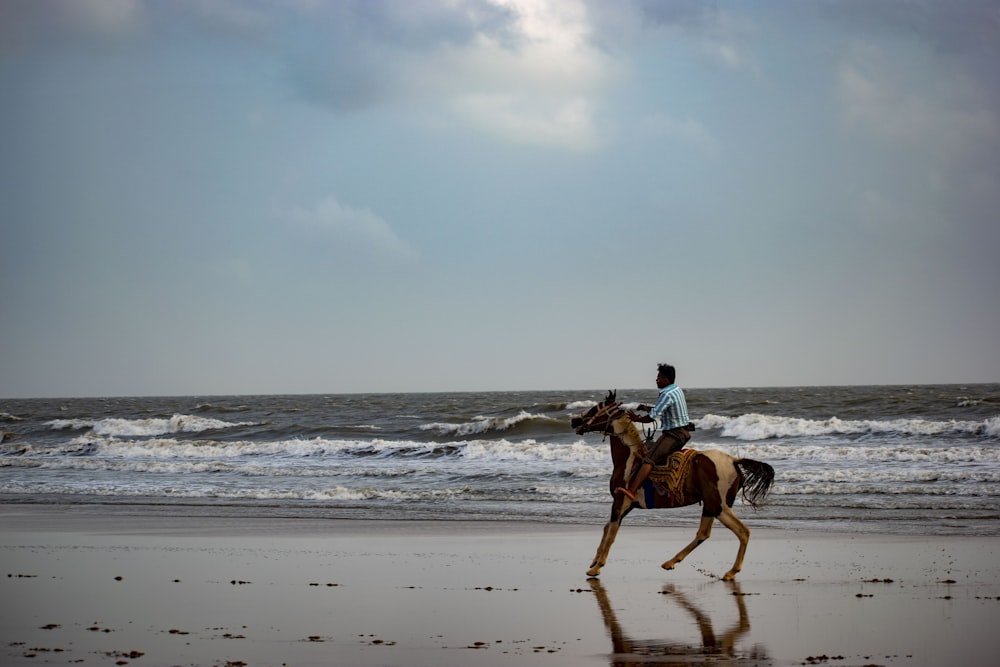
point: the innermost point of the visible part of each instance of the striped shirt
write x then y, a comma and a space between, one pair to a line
671, 408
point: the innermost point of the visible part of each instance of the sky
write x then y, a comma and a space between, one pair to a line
243, 197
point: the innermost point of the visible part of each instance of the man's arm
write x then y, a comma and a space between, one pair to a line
644, 419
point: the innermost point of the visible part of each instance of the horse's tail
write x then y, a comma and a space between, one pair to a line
758, 478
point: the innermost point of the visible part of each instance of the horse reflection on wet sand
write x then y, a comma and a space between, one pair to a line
715, 649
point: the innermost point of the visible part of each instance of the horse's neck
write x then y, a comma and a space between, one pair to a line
627, 433
620, 452
625, 442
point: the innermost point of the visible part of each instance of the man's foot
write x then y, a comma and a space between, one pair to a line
628, 494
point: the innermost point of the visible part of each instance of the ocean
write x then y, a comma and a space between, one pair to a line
909, 460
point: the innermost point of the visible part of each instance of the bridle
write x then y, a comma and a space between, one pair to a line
610, 411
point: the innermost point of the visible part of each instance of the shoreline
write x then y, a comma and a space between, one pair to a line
102, 584
911, 524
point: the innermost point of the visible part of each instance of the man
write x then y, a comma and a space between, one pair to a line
671, 409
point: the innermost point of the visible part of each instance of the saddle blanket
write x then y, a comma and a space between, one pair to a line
668, 480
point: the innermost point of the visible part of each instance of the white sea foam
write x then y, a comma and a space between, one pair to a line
580, 406
274, 468
145, 427
966, 402
890, 476
580, 452
328, 494
483, 424
308, 493
593, 493
858, 453
530, 450
877, 489
171, 448
763, 427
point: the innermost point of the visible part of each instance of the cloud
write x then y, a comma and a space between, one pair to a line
233, 269
949, 103
952, 121
688, 131
522, 70
957, 27
558, 123
95, 24
236, 15
688, 14
937, 117
717, 35
875, 98
354, 229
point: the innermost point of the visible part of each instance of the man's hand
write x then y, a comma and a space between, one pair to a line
644, 408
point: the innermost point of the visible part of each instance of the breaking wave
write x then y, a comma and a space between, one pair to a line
145, 427
764, 427
482, 425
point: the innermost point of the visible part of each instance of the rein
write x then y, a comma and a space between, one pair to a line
611, 413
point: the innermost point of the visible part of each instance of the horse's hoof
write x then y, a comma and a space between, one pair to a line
669, 565
729, 576
593, 572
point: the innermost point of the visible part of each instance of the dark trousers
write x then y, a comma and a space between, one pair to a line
669, 442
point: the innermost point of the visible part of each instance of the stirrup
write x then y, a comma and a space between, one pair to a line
628, 494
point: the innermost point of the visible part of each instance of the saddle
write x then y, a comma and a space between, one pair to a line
670, 478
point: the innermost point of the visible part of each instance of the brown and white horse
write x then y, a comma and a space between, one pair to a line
711, 477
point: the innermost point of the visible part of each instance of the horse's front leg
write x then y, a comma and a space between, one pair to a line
601, 557
618, 512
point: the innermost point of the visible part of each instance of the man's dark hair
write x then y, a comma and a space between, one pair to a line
668, 372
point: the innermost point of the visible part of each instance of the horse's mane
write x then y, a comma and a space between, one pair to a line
630, 431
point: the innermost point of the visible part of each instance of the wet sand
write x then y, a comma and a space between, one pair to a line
116, 586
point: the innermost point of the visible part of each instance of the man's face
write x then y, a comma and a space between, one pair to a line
662, 381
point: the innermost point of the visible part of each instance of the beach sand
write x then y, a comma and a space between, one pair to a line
115, 585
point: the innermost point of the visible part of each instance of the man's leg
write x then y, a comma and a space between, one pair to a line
640, 476
654, 454
678, 439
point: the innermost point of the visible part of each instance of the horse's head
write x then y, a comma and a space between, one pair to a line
599, 417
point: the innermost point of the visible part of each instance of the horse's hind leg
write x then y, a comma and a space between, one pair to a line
742, 533
704, 532
707, 478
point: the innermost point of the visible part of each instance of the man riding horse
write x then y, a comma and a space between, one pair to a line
671, 409
711, 478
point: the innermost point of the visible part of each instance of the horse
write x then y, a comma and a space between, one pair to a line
711, 477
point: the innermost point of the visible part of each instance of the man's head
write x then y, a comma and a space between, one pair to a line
666, 374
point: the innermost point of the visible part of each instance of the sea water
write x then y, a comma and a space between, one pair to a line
896, 459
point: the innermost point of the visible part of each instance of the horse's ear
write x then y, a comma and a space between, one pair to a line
612, 393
